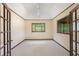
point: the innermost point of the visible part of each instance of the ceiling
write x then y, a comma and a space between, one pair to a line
38, 10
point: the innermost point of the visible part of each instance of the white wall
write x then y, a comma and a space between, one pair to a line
63, 39
38, 35
17, 29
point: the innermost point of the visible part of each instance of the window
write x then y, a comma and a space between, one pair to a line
63, 25
38, 27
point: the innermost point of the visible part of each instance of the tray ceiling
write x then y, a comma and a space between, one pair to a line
38, 10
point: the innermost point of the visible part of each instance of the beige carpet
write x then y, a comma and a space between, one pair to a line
39, 48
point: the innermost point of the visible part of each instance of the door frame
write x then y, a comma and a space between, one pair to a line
71, 31
6, 20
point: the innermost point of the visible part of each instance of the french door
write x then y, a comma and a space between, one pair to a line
5, 31
74, 32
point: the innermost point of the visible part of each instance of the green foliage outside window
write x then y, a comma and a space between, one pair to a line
38, 27
63, 28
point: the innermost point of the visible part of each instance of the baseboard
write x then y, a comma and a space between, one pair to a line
54, 41
17, 44
61, 45
27, 39
38, 39
41, 39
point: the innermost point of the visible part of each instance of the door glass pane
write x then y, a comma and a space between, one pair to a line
0, 9
1, 6
77, 13
5, 26
78, 36
74, 37
1, 38
5, 13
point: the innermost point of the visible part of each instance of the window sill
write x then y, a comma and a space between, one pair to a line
63, 33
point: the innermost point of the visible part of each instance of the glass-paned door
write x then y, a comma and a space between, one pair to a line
75, 32
5, 31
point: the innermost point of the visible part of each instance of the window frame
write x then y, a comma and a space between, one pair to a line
67, 22
35, 26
